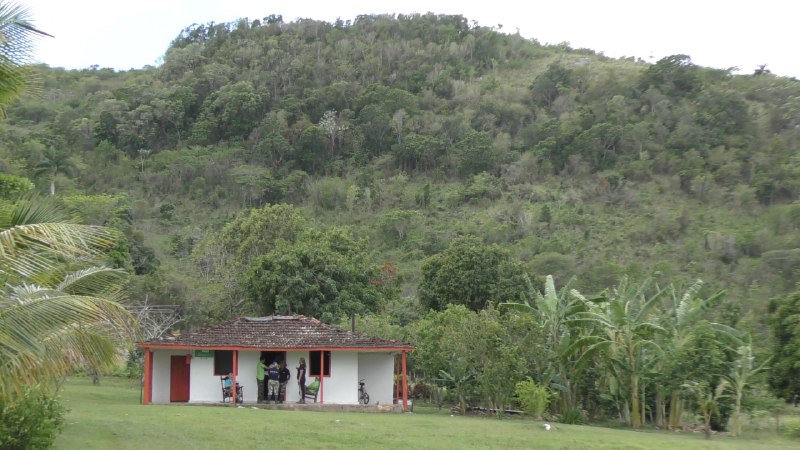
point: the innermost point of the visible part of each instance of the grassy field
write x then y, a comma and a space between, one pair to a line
109, 417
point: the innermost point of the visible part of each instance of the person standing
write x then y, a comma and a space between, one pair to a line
301, 379
260, 369
272, 385
283, 378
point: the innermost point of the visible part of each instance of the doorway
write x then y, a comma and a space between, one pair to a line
179, 378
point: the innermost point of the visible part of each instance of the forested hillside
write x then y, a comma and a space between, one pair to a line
391, 165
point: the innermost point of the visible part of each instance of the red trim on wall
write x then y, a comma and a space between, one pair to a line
322, 378
405, 384
235, 371
148, 377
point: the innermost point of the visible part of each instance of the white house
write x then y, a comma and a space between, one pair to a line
189, 367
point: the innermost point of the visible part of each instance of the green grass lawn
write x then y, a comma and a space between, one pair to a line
109, 417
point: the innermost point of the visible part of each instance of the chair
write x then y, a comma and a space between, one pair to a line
311, 392
226, 390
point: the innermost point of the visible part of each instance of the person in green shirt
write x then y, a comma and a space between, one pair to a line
260, 368
312, 388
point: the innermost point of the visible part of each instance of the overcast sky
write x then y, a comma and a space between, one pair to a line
131, 34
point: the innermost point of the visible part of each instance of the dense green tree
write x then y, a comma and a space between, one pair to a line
675, 76
785, 321
322, 274
476, 154
547, 86
11, 185
470, 273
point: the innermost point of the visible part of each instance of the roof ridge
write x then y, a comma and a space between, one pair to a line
281, 332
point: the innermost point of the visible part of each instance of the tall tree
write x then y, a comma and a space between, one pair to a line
623, 332
740, 377
553, 311
785, 318
471, 273
55, 162
322, 274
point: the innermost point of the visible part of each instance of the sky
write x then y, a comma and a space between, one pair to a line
723, 34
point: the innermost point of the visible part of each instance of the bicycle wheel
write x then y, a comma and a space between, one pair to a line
365, 399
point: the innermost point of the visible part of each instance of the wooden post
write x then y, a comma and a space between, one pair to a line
321, 376
395, 384
405, 383
148, 376
235, 371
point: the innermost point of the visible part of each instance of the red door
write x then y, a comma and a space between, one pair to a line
179, 379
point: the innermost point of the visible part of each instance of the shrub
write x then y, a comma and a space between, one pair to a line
533, 397
573, 417
31, 420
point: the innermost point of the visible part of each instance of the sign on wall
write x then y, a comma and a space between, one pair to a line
204, 353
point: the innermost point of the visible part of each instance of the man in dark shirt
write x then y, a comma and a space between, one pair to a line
283, 378
301, 379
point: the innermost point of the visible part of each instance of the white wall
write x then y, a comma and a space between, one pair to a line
339, 388
161, 370
377, 370
204, 386
342, 385
247, 375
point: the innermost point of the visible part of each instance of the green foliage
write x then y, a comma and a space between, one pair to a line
476, 154
533, 397
674, 75
414, 131
11, 185
32, 420
322, 274
573, 416
470, 273
785, 317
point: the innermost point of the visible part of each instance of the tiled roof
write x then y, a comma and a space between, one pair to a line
276, 332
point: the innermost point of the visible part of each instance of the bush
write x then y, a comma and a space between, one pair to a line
573, 417
533, 397
31, 420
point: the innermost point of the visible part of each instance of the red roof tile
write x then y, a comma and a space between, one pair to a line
276, 332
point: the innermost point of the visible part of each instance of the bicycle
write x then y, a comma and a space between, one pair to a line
363, 397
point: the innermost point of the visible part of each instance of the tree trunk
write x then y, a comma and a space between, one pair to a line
626, 413
643, 402
636, 418
675, 410
660, 406
737, 410
53, 187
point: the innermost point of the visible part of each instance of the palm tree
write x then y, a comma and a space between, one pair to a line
553, 310
54, 318
622, 332
54, 162
682, 314
17, 36
740, 377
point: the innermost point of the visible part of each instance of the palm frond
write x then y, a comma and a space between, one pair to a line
36, 331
